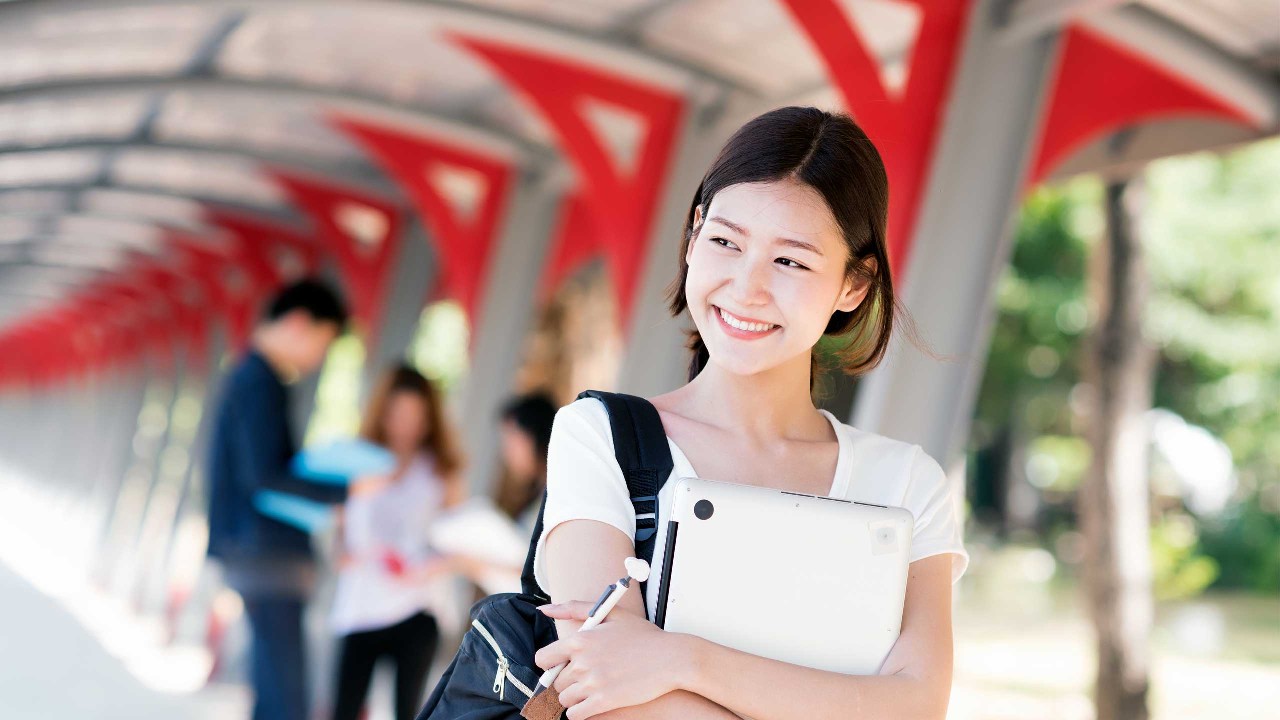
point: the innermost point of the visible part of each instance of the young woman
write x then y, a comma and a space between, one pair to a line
784, 243
383, 603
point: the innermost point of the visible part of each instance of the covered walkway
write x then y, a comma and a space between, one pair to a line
164, 165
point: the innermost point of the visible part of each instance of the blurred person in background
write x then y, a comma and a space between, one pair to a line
525, 432
270, 563
385, 604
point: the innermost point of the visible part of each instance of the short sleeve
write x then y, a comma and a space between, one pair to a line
939, 527
584, 481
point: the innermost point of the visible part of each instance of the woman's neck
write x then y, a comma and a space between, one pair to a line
763, 406
404, 458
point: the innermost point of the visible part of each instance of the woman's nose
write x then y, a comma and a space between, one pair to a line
751, 282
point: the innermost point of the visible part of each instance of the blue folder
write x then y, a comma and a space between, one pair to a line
303, 513
337, 463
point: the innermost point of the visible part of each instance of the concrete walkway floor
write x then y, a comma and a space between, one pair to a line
52, 668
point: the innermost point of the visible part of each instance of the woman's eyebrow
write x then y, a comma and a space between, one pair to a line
731, 225
802, 244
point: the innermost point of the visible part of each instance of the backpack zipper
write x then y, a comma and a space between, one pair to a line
504, 666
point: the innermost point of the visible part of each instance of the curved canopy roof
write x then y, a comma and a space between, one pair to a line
127, 123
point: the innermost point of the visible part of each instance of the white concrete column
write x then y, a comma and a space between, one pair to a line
963, 240
504, 318
655, 360
414, 267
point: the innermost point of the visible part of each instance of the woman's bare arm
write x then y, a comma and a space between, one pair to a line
455, 491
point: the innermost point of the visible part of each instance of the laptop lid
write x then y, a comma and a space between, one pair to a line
812, 581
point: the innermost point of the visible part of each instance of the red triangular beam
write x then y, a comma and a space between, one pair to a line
622, 204
904, 130
364, 266
465, 245
1101, 86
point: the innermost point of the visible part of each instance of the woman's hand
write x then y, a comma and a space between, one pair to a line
624, 661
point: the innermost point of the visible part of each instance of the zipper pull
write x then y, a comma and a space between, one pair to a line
499, 681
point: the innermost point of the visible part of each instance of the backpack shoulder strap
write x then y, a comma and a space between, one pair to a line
640, 446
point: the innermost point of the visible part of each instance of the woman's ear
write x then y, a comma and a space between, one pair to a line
856, 287
693, 232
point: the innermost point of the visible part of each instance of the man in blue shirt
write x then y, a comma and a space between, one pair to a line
268, 562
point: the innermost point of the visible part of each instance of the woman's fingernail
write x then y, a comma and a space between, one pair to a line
544, 608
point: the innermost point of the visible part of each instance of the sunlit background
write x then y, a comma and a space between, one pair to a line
499, 186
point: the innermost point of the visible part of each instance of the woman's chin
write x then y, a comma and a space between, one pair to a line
737, 364
737, 361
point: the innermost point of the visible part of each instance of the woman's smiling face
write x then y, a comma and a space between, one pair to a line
767, 268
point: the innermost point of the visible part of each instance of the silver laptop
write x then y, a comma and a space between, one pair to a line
811, 581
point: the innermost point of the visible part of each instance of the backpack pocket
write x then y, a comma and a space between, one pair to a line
510, 679
493, 674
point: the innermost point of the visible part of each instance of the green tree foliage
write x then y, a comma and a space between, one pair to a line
1211, 232
1213, 238
1033, 363
1024, 408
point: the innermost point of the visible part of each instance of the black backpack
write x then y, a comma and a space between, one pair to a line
493, 674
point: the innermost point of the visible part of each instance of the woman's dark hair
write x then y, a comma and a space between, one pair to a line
440, 440
533, 414
831, 154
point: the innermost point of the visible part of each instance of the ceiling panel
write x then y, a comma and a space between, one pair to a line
251, 119
49, 167
201, 174
107, 231
1245, 28
149, 41
757, 44
16, 228
597, 15
71, 118
396, 54
174, 211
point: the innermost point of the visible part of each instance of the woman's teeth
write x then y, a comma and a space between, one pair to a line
734, 322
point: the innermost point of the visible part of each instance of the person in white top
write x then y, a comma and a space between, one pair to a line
784, 245
383, 603
524, 432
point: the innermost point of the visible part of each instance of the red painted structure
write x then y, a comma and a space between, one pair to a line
363, 261
903, 128
1137, 88
463, 237
609, 211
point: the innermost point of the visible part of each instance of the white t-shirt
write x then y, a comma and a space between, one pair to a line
584, 482
368, 596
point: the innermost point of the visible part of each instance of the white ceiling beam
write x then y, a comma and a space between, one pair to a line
1027, 19
467, 129
598, 50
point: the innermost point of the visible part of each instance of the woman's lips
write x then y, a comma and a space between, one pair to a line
738, 333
